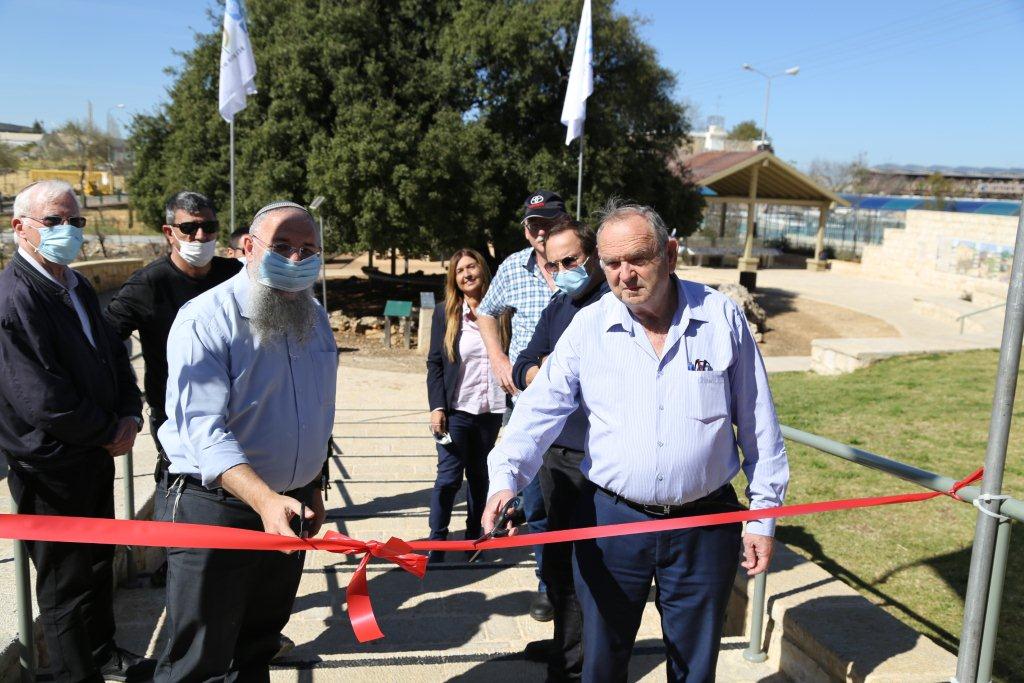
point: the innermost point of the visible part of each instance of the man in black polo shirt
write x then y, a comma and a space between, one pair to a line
150, 299
571, 259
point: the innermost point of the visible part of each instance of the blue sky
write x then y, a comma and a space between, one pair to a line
904, 81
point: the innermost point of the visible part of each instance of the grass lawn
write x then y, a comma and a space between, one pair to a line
930, 411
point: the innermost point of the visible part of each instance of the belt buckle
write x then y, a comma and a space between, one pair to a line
666, 510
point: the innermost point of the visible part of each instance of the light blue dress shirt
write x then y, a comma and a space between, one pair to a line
518, 286
232, 399
660, 433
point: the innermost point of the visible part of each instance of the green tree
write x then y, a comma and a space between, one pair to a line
8, 159
746, 130
423, 124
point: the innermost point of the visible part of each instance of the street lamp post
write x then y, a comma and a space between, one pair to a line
110, 144
793, 71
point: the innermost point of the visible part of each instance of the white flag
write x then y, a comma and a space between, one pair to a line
237, 67
581, 79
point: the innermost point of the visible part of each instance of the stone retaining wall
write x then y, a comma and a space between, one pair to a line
108, 274
957, 253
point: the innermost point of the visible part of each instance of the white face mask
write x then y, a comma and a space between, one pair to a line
197, 254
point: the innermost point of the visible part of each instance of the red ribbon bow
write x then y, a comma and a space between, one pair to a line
357, 595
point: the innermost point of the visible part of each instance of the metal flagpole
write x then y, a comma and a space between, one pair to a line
579, 181
231, 128
983, 553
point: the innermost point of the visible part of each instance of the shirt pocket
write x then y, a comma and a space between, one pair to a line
325, 370
707, 394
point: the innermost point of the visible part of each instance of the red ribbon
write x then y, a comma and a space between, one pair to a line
364, 623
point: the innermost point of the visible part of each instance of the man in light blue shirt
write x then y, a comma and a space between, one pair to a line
664, 369
252, 369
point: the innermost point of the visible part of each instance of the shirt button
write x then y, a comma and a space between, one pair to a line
661, 407
661, 477
660, 444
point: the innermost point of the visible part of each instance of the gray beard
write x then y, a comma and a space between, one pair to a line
274, 314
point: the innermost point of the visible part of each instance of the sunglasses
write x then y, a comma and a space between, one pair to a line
286, 250
568, 263
192, 227
54, 221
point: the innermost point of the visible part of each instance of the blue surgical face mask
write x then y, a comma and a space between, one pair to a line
60, 244
277, 272
572, 281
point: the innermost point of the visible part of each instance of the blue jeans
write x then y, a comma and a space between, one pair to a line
473, 437
533, 509
693, 572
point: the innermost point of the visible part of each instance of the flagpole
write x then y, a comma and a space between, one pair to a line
231, 128
579, 181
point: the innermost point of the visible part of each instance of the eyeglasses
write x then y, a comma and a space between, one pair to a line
54, 221
568, 263
190, 228
286, 250
639, 261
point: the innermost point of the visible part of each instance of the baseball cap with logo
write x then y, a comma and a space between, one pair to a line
544, 204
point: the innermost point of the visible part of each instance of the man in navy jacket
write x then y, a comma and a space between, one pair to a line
572, 259
68, 405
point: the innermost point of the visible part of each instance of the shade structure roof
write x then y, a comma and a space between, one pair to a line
728, 175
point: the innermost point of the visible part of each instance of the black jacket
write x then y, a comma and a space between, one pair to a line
553, 321
442, 374
60, 398
148, 302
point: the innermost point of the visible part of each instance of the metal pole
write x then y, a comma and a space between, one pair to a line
579, 181
767, 96
323, 263
995, 459
26, 633
129, 513
755, 652
231, 128
995, 593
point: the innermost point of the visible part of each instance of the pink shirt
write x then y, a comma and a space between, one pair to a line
477, 390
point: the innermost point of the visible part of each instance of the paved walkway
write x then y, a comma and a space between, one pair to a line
461, 622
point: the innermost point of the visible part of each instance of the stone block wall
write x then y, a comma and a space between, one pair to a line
108, 274
956, 253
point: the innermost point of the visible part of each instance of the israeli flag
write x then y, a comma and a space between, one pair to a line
581, 79
237, 67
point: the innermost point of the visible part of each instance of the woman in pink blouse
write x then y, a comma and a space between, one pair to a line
466, 401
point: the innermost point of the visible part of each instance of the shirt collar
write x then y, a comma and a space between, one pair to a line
241, 286
68, 273
689, 307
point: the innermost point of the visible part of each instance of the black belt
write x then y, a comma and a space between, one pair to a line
673, 510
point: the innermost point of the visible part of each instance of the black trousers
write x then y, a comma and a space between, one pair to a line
561, 484
225, 608
74, 581
473, 437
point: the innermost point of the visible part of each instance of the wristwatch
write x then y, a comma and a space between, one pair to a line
138, 421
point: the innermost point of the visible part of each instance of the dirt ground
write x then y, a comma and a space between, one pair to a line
793, 321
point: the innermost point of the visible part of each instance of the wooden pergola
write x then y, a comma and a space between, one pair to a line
760, 177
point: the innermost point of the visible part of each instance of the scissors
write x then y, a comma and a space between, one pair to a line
500, 528
302, 522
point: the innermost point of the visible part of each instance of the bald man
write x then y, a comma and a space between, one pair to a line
252, 367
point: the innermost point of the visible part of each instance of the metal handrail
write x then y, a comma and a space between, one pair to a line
1010, 508
961, 318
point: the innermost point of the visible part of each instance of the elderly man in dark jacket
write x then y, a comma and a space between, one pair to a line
68, 406
572, 261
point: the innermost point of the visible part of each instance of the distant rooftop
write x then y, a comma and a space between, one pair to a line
14, 128
950, 171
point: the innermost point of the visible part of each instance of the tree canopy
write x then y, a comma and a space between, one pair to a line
746, 130
424, 125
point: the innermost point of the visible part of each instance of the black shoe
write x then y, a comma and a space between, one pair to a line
285, 645
127, 666
538, 650
541, 608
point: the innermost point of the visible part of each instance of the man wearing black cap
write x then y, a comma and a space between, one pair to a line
522, 287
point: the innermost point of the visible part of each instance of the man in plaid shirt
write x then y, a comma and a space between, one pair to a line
523, 287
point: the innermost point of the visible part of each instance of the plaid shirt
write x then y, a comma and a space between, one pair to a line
518, 286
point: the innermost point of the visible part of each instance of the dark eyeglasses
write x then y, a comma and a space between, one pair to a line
286, 250
54, 221
192, 227
569, 262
